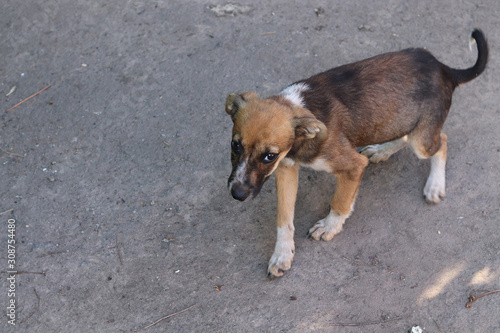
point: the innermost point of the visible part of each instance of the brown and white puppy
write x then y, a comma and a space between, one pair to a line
381, 104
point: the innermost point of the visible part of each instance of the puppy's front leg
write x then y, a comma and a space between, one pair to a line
342, 202
287, 181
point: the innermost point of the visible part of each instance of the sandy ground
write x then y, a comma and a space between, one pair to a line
129, 146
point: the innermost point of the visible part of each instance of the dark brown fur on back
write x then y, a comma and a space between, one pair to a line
372, 99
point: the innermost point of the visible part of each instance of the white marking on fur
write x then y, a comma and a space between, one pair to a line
240, 174
328, 227
320, 164
436, 182
294, 93
288, 162
352, 207
472, 41
284, 250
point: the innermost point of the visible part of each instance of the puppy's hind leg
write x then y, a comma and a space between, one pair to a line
435, 185
381, 152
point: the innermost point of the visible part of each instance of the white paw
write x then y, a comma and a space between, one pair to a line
284, 251
376, 153
434, 190
328, 227
280, 262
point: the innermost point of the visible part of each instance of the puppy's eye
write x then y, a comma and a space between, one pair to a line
270, 157
236, 147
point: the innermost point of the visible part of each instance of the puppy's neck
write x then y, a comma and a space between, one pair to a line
303, 151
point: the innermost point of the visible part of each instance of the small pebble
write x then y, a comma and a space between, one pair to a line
416, 329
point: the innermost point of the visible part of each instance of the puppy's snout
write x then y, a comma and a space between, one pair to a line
241, 192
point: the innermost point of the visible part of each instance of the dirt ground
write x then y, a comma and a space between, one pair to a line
115, 176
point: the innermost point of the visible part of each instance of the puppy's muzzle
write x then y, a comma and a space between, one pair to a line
242, 192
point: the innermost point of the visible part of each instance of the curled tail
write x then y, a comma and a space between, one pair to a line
465, 75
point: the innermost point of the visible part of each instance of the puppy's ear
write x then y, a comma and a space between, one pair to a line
235, 102
309, 127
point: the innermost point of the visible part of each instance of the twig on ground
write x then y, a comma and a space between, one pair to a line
7, 211
356, 263
170, 315
13, 154
367, 323
24, 100
268, 33
435, 322
472, 298
38, 306
118, 249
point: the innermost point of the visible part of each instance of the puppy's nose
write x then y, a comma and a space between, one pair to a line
240, 193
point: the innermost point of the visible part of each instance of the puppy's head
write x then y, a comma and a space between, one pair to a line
264, 131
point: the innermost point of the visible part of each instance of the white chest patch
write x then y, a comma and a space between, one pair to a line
293, 93
319, 164
287, 162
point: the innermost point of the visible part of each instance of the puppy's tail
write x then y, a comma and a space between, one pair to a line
465, 75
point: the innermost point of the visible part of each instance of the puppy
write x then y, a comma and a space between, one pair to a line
381, 104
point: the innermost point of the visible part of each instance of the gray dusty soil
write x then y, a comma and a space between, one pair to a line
130, 145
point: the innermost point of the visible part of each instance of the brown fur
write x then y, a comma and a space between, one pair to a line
403, 96
287, 193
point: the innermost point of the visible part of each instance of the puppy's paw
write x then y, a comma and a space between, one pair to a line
321, 232
434, 190
376, 153
328, 227
280, 262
